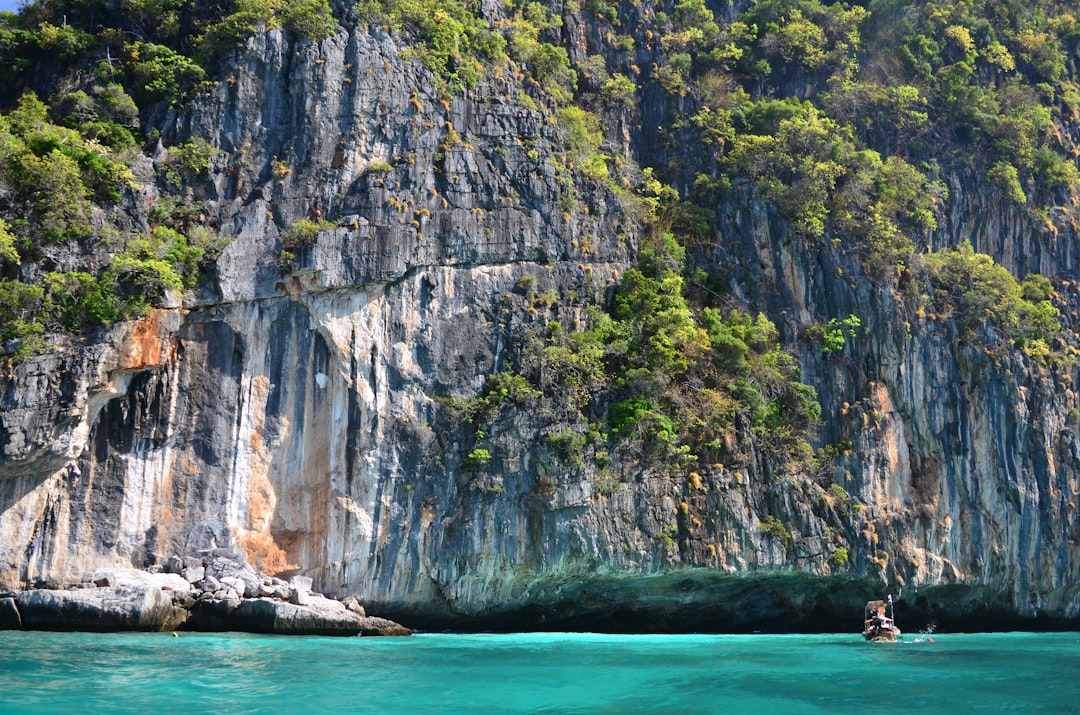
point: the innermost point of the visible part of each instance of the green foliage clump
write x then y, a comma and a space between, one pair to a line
188, 162
677, 379
843, 114
137, 278
52, 174
455, 43
840, 557
994, 80
106, 115
1005, 177
9, 253
813, 167
66, 41
158, 72
304, 232
619, 91
149, 268
547, 64
244, 19
584, 134
839, 497
22, 320
307, 19
155, 18
476, 459
772, 526
506, 387
832, 333
629, 413
982, 293
569, 446
78, 300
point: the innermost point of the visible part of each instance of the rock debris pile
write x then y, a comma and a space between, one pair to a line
202, 593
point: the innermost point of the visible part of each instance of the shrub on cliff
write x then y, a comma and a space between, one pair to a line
979, 292
51, 173
158, 73
308, 19
453, 41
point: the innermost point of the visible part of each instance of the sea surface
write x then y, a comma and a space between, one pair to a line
537, 673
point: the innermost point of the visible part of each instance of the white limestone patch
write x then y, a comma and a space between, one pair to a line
365, 527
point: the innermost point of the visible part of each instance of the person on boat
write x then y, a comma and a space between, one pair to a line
879, 623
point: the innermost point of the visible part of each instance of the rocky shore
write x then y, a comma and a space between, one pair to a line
215, 593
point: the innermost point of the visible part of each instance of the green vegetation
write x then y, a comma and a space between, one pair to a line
672, 378
476, 459
457, 44
980, 293
65, 162
840, 113
776, 529
302, 232
159, 73
53, 174
307, 19
820, 178
506, 387
454, 42
840, 557
188, 162
548, 64
138, 277
832, 334
839, 497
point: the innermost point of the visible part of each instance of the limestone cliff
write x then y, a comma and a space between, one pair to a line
298, 407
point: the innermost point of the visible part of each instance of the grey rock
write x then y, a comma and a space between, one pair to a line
322, 617
375, 626
300, 583
194, 574
222, 567
227, 593
300, 598
9, 614
120, 608
135, 578
351, 604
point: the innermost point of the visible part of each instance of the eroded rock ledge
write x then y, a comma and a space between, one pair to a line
192, 593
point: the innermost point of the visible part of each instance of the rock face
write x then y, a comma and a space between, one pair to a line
123, 599
121, 608
291, 411
318, 616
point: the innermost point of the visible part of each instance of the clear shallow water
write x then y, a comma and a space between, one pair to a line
537, 673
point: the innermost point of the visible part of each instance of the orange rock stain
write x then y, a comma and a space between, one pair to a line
146, 346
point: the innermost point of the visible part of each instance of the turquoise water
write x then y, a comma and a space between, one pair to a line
537, 673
